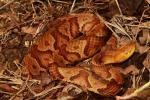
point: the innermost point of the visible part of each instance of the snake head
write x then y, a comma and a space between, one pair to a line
117, 55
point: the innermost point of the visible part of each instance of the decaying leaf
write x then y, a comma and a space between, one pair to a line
145, 36
142, 49
7, 88
29, 30
72, 88
129, 69
148, 1
146, 62
39, 10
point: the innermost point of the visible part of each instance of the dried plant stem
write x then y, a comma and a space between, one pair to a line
22, 89
2, 7
135, 93
49, 3
58, 1
118, 7
140, 76
73, 4
6, 92
106, 23
47, 91
138, 27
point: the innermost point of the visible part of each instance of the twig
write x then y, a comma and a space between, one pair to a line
58, 1
106, 23
22, 88
83, 7
47, 91
140, 76
49, 3
73, 4
118, 7
20, 71
140, 26
119, 28
8, 93
140, 22
33, 8
135, 93
2, 7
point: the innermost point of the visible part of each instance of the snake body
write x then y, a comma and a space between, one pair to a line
70, 40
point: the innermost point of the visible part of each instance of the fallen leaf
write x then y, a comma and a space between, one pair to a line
45, 79
29, 30
72, 88
142, 49
6, 87
146, 24
148, 1
145, 38
146, 62
131, 68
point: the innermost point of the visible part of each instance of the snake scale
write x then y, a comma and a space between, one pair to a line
71, 39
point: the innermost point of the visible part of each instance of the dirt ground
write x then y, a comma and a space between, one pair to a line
20, 20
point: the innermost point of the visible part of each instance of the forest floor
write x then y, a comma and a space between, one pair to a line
20, 19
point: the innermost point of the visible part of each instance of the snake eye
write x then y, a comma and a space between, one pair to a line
79, 35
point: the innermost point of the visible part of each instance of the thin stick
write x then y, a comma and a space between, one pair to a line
119, 28
2, 7
140, 26
106, 23
22, 89
58, 1
73, 4
135, 93
49, 3
140, 76
47, 91
140, 22
118, 7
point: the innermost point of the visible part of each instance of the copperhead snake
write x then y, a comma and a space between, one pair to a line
72, 39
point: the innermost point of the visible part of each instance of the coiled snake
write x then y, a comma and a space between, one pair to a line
72, 39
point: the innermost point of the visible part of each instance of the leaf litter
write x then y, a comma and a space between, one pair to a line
23, 21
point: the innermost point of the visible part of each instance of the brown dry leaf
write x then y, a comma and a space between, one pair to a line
146, 62
135, 30
2, 58
69, 92
145, 38
9, 21
123, 40
6, 87
19, 98
130, 7
146, 24
45, 79
131, 68
148, 1
72, 88
142, 49
129, 91
144, 95
2, 68
29, 30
